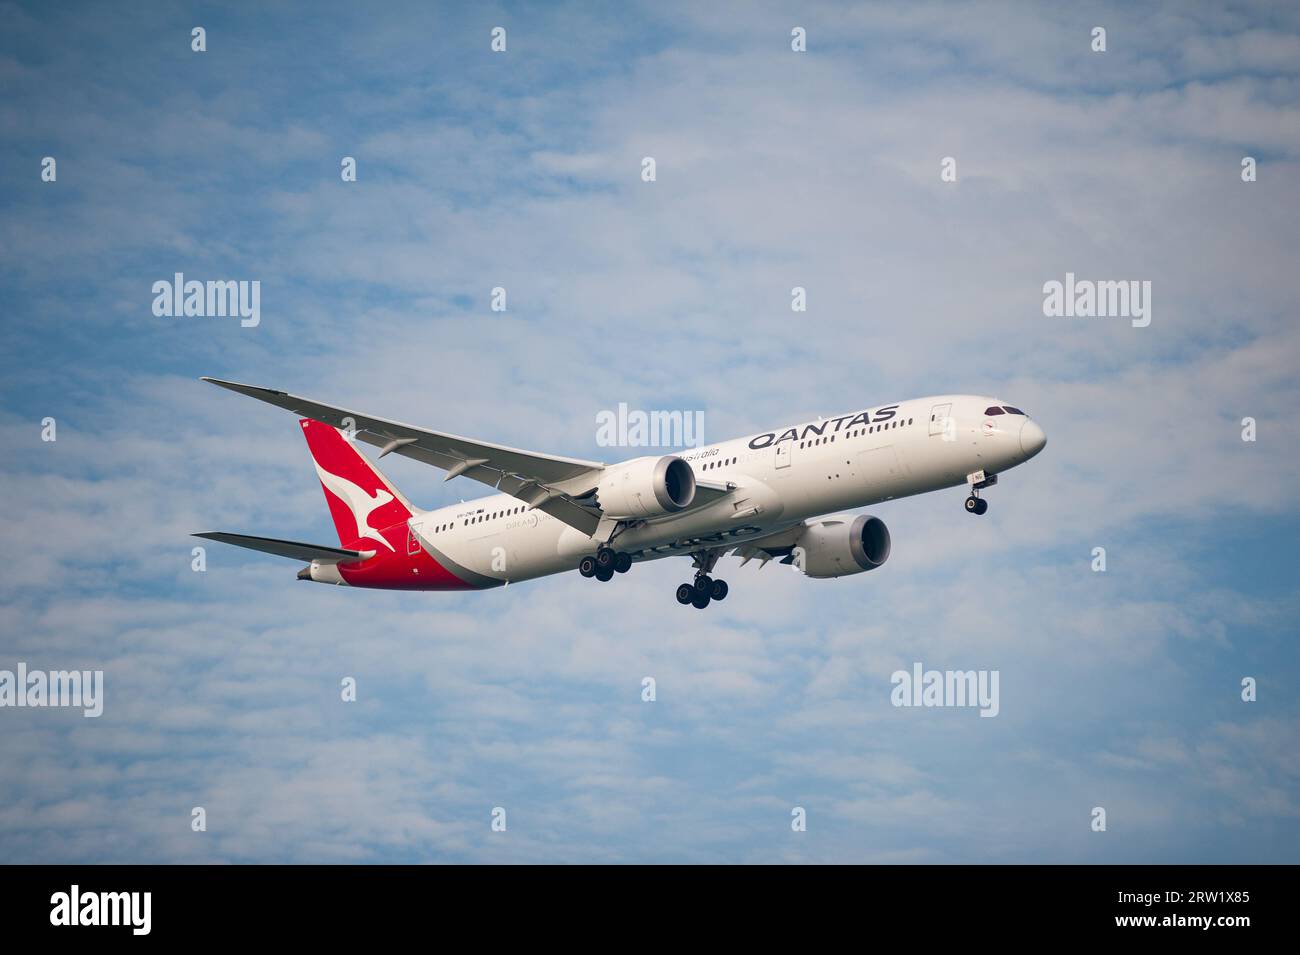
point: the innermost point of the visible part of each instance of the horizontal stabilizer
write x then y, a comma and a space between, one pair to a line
293, 549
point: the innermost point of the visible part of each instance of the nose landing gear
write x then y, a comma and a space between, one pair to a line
978, 481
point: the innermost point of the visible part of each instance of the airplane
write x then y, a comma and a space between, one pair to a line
778, 495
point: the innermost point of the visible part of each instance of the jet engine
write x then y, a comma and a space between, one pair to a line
839, 546
646, 487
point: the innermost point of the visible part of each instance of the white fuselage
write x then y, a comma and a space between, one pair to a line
781, 478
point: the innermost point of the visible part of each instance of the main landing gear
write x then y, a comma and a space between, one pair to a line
705, 589
700, 593
605, 564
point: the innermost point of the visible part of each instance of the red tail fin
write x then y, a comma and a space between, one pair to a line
361, 500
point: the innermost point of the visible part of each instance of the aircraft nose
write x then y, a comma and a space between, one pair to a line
1032, 438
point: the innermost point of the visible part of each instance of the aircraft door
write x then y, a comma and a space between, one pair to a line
942, 423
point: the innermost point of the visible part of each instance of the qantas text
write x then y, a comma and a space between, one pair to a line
819, 427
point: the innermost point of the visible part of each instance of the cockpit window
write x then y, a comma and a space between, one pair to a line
994, 410
1010, 410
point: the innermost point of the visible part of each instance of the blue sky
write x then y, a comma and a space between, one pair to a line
775, 169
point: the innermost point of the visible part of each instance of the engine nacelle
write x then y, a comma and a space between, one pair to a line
837, 548
647, 487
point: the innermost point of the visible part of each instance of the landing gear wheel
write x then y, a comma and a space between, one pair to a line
685, 594
719, 590
981, 505
703, 586
587, 566
605, 558
698, 602
604, 573
622, 562
973, 504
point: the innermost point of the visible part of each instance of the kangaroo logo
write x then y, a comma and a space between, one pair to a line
359, 502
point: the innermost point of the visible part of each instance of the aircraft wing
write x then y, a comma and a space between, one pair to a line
779, 544
706, 493
562, 487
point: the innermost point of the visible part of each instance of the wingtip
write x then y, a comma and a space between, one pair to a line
252, 391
